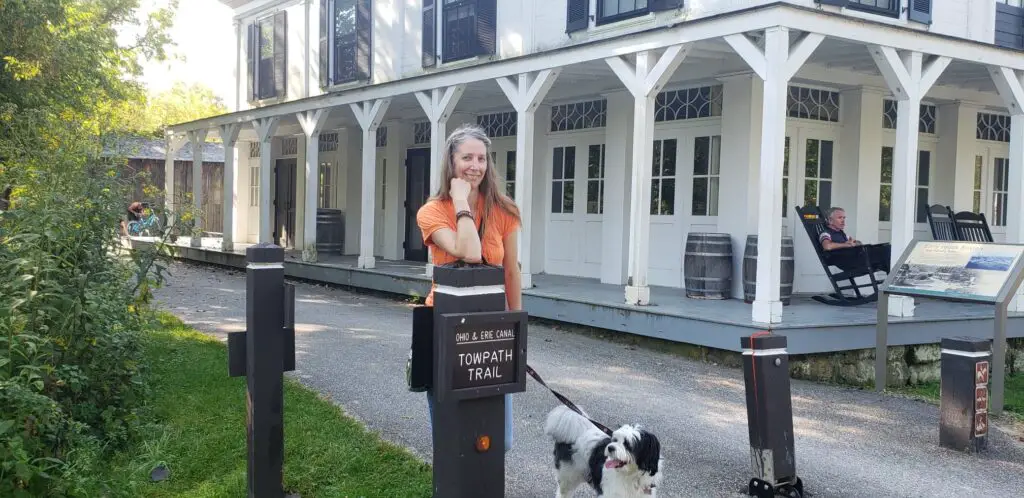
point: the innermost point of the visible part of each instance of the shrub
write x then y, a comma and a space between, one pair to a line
72, 306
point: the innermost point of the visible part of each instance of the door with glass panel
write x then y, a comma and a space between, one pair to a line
575, 207
991, 186
808, 174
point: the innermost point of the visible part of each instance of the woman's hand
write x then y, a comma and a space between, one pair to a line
459, 189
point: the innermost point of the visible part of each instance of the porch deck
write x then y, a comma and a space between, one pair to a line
810, 327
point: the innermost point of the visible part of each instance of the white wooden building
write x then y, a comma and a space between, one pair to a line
620, 126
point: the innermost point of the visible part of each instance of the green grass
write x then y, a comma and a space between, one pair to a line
1013, 401
202, 437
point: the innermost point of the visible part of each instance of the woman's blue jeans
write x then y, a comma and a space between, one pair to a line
508, 417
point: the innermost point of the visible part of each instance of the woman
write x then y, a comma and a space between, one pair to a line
450, 221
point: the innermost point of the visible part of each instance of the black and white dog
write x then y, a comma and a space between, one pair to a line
626, 465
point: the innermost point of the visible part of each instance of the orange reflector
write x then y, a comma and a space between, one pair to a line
483, 443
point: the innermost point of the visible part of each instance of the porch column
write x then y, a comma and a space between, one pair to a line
229, 136
369, 114
909, 78
198, 140
643, 80
1010, 84
174, 144
775, 64
311, 122
265, 129
525, 96
438, 106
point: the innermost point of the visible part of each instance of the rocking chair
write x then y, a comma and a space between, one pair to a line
940, 219
815, 222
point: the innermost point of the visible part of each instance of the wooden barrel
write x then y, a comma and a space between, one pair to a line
707, 265
330, 230
750, 270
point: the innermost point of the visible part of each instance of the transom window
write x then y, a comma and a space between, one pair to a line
813, 103
663, 178
563, 175
926, 120
706, 155
595, 179
994, 127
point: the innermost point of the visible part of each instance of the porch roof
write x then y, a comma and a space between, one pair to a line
843, 50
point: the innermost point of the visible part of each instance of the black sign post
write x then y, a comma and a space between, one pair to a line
770, 417
479, 356
964, 400
262, 353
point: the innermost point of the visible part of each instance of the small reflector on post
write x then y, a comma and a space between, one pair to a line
483, 443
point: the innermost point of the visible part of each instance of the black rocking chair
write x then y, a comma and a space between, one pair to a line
940, 219
814, 221
972, 227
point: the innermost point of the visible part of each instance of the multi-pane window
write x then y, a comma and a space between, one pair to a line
663, 177
785, 177
993, 127
595, 179
254, 186
510, 174
1000, 190
884, 7
326, 183
812, 103
925, 123
563, 175
818, 173
706, 162
617, 9
689, 103
579, 115
924, 159
265, 49
345, 41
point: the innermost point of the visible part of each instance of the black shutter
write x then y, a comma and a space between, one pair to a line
429, 33
364, 38
658, 5
920, 11
577, 15
280, 51
1009, 26
487, 26
325, 51
250, 55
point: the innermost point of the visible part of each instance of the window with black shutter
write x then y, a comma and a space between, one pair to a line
888, 8
267, 61
1009, 29
469, 29
346, 30
609, 11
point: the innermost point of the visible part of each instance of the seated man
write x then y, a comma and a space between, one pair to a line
837, 245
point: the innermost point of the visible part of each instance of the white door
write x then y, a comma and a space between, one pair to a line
812, 154
665, 257
253, 219
575, 206
991, 186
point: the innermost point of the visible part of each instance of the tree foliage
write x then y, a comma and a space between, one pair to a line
179, 104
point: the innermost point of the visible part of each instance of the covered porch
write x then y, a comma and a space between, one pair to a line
616, 151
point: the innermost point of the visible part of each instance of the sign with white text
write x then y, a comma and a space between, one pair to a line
485, 355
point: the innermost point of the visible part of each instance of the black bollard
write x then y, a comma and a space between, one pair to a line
262, 354
963, 406
479, 355
770, 417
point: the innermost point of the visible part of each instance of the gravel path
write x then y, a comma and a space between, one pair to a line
352, 348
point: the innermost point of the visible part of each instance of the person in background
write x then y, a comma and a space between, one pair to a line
471, 219
834, 238
135, 212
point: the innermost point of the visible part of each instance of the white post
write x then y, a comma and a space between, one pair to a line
229, 136
312, 123
438, 105
909, 78
369, 114
198, 140
265, 129
1010, 84
525, 96
643, 81
174, 144
776, 65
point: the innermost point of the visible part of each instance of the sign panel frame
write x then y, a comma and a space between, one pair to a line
446, 329
946, 258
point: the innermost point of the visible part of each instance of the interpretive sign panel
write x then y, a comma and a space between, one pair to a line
963, 271
481, 354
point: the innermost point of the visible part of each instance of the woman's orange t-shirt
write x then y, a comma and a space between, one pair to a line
437, 214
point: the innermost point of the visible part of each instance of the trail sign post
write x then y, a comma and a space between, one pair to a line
972, 272
262, 353
964, 402
477, 356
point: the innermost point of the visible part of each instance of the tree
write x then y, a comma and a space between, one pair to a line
181, 103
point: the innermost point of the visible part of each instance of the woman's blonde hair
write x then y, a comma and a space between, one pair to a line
489, 188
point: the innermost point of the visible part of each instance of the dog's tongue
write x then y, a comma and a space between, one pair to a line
612, 463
